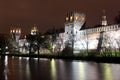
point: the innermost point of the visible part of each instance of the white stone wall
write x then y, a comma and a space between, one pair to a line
89, 38
59, 43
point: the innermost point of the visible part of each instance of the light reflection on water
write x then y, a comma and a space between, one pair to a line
53, 69
6, 67
24, 68
82, 71
107, 72
28, 70
78, 70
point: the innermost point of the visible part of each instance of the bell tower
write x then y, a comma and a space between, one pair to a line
75, 18
15, 34
34, 30
73, 23
104, 19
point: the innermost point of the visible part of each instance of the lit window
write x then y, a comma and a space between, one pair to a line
16, 31
76, 18
71, 18
25, 36
10, 31
19, 31
82, 18
67, 18
13, 31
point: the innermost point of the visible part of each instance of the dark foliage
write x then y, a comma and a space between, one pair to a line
67, 51
117, 18
4, 41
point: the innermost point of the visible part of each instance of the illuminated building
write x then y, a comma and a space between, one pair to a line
24, 44
100, 39
34, 30
81, 39
15, 34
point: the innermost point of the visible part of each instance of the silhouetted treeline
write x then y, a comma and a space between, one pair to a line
117, 18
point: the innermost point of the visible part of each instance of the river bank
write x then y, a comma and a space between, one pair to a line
104, 59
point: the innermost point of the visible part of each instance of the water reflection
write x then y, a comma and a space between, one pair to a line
107, 72
82, 71
28, 70
24, 68
78, 71
6, 67
53, 69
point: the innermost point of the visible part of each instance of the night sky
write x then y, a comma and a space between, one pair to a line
48, 13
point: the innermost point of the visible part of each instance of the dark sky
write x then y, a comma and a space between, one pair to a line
48, 13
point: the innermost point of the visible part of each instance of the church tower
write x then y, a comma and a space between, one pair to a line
104, 19
73, 23
34, 30
15, 36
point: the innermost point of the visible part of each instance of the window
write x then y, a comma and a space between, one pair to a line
76, 32
71, 18
76, 17
67, 18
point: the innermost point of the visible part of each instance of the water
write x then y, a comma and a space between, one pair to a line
17, 68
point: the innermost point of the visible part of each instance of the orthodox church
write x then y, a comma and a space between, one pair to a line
81, 39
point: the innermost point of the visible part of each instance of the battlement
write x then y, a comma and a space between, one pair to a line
100, 29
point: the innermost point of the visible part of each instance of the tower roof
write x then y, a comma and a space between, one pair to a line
34, 30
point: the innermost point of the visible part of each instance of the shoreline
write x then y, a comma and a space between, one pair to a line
83, 58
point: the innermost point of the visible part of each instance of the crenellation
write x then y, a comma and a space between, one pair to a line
81, 38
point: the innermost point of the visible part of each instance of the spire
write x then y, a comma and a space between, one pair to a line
104, 20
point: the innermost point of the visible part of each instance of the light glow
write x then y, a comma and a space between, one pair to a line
71, 18
67, 18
